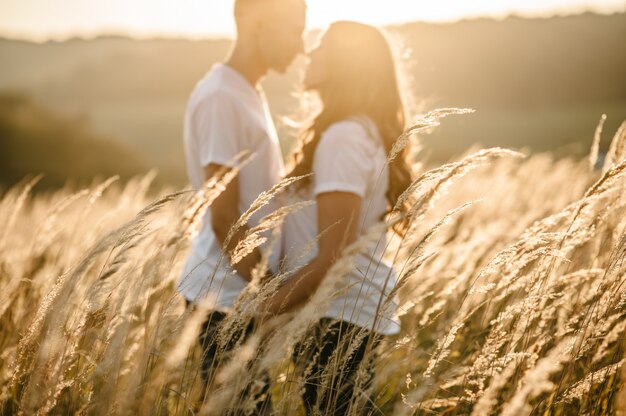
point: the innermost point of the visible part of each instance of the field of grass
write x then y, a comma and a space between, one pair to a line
511, 290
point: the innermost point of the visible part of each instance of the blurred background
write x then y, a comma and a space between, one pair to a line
93, 89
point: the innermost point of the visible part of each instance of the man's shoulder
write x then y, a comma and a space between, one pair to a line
210, 91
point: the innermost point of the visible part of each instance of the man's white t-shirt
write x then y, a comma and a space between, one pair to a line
350, 157
225, 116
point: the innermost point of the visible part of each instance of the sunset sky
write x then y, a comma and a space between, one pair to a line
46, 19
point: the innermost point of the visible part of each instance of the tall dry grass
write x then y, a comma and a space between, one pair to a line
511, 289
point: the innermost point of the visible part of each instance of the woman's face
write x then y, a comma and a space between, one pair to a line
317, 71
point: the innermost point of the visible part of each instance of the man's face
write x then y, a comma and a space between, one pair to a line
280, 35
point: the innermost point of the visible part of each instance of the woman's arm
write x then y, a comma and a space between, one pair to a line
338, 221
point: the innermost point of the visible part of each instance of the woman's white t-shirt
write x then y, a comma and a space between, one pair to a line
350, 157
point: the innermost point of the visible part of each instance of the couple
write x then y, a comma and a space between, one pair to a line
344, 149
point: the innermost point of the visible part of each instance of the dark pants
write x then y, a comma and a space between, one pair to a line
214, 354
339, 348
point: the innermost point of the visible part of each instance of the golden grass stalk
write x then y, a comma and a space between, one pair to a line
536, 380
255, 236
213, 187
262, 200
595, 146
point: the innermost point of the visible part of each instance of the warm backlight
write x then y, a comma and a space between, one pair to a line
44, 19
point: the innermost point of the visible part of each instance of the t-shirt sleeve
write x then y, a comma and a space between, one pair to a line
342, 162
218, 129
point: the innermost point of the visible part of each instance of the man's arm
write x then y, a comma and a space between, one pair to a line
224, 214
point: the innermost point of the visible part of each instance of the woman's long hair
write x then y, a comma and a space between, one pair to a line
361, 80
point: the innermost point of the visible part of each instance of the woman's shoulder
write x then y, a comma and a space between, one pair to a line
357, 131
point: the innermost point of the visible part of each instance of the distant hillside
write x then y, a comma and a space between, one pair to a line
521, 62
541, 83
36, 141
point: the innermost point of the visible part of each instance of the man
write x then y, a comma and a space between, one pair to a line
227, 114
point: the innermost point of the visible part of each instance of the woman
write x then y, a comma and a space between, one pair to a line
346, 149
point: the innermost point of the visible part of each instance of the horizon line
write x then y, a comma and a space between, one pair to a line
147, 36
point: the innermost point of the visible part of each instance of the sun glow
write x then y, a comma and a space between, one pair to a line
43, 19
